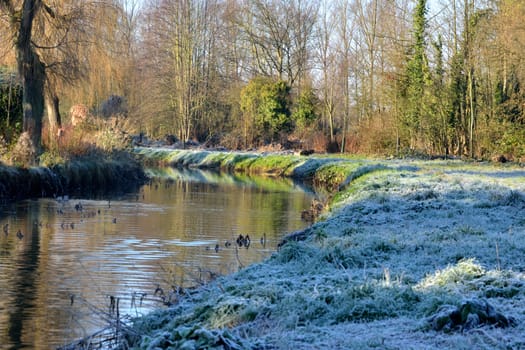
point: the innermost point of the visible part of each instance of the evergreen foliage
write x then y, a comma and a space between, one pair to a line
265, 105
305, 111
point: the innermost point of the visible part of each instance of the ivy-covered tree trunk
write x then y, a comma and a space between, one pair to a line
468, 32
416, 74
32, 73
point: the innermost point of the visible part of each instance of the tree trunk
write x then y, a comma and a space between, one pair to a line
32, 73
53, 114
33, 98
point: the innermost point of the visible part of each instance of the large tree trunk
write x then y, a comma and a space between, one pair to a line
32, 73
33, 101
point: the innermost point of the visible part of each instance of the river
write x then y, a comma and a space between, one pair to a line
65, 263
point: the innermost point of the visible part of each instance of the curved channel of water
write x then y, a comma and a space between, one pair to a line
66, 263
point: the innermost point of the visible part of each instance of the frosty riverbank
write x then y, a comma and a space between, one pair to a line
402, 247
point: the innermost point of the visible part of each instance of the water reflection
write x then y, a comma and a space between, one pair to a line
77, 257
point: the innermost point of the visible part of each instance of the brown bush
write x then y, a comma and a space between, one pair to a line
78, 114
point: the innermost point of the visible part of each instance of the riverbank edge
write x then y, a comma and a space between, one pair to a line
78, 177
327, 174
384, 267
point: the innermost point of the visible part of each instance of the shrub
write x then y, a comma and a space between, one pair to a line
305, 112
265, 107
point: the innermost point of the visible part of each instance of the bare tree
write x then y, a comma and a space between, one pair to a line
326, 64
345, 32
179, 54
279, 33
368, 16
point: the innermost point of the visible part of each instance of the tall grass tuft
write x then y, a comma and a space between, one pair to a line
449, 278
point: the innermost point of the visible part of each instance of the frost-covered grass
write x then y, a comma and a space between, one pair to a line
193, 158
400, 244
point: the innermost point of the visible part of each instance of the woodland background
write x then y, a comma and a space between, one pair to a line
387, 77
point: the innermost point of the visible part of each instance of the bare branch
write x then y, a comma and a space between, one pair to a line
49, 10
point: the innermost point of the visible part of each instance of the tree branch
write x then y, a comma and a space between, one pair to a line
49, 10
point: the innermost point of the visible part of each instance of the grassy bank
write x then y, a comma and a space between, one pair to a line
418, 255
326, 173
81, 176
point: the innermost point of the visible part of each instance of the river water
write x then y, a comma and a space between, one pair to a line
66, 263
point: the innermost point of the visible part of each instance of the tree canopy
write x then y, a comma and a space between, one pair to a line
368, 75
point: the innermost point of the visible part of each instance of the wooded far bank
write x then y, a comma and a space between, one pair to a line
387, 77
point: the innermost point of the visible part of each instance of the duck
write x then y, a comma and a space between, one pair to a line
243, 241
240, 240
78, 206
19, 234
